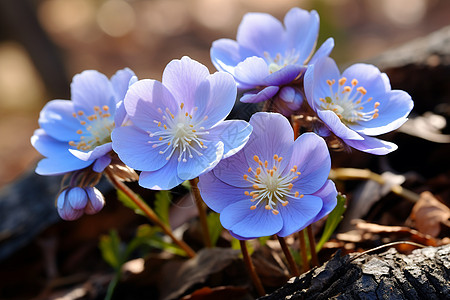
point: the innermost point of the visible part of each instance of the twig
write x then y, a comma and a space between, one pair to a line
385, 246
251, 269
303, 253
312, 247
148, 212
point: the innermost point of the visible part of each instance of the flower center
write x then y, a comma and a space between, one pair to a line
279, 61
97, 128
181, 133
348, 102
270, 186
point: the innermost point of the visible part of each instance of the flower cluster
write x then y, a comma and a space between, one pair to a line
261, 178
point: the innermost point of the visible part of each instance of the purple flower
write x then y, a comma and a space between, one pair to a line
356, 105
77, 134
178, 130
72, 203
267, 56
274, 185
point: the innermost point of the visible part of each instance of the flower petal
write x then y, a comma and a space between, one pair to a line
372, 145
337, 127
56, 118
120, 82
217, 194
101, 163
328, 194
272, 134
284, 75
165, 178
226, 54
48, 146
298, 214
233, 133
324, 51
77, 198
259, 96
261, 32
310, 155
393, 112
98, 152
146, 101
182, 78
232, 169
61, 165
131, 144
96, 201
198, 165
91, 88
251, 72
215, 97
302, 29
247, 223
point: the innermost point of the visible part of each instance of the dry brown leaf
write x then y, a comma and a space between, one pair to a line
220, 293
429, 215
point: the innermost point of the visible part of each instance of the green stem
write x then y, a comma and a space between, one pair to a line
148, 212
201, 212
251, 269
112, 285
289, 257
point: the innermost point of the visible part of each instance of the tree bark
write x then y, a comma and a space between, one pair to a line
423, 274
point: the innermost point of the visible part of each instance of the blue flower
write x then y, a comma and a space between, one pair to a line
178, 130
268, 59
72, 203
356, 105
274, 185
77, 134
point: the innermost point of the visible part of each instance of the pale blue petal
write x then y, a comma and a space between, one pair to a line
215, 97
101, 163
298, 214
328, 194
226, 54
369, 77
96, 201
133, 147
324, 51
57, 119
302, 28
234, 134
61, 165
217, 194
146, 101
336, 126
77, 197
372, 145
48, 146
165, 178
198, 165
259, 96
285, 75
272, 134
261, 32
232, 169
120, 82
182, 78
91, 88
99, 151
310, 155
247, 223
251, 72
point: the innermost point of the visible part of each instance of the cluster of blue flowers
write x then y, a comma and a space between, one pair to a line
257, 175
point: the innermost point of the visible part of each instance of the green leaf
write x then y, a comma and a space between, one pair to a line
333, 220
162, 205
152, 236
129, 203
263, 240
214, 226
187, 184
110, 249
235, 244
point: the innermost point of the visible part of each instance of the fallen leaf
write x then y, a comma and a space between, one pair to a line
220, 293
429, 215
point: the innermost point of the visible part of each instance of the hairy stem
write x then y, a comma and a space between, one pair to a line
292, 265
303, 253
251, 269
148, 212
312, 246
201, 212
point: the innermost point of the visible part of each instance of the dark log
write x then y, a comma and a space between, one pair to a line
423, 274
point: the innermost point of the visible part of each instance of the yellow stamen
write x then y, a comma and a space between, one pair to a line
361, 90
342, 81
275, 212
79, 131
253, 207
354, 82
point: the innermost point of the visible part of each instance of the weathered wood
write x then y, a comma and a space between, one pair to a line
423, 274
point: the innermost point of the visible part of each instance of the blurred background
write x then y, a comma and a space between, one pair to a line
44, 43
